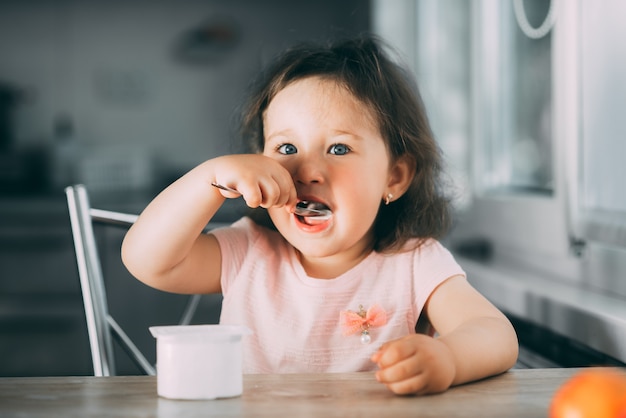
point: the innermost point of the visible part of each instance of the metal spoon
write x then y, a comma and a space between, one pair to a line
300, 210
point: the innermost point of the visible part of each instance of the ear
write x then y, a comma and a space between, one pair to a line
401, 175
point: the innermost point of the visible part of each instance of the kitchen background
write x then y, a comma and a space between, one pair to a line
125, 96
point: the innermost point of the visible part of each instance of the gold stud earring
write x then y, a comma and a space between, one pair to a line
388, 198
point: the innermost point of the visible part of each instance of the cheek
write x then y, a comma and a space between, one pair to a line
361, 202
366, 185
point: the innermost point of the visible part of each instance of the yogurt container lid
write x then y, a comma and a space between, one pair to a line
208, 333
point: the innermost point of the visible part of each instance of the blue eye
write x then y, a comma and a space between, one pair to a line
339, 149
287, 149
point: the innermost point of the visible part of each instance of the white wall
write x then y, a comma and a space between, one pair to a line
110, 66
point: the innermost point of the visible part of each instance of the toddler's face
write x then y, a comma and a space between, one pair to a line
333, 148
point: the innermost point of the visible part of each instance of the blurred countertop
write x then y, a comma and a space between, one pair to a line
583, 314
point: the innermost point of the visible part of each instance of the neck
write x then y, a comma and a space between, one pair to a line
330, 267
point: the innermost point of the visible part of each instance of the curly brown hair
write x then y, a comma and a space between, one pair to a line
365, 69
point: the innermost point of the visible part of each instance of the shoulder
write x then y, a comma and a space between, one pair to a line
429, 248
430, 258
431, 265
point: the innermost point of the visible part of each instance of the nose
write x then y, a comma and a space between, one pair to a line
309, 171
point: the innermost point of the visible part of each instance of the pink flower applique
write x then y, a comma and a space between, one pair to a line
353, 322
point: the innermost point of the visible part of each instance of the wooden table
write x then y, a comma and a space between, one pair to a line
517, 393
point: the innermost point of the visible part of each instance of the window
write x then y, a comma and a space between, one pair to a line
519, 199
526, 98
516, 148
602, 198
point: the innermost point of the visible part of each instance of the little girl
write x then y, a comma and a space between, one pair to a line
339, 129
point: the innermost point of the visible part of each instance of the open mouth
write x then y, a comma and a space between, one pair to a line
312, 213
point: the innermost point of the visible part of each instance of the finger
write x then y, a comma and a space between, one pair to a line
400, 371
252, 194
394, 352
278, 191
270, 192
288, 194
225, 191
291, 197
378, 354
229, 194
415, 385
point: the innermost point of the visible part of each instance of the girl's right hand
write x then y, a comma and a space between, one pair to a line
166, 248
260, 180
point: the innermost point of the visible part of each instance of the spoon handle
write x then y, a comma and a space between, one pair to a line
299, 210
228, 189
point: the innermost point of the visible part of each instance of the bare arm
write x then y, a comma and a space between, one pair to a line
166, 249
485, 343
476, 340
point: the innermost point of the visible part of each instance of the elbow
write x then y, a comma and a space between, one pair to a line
129, 257
132, 258
510, 355
146, 266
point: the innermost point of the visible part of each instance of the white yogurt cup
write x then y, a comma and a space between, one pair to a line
199, 361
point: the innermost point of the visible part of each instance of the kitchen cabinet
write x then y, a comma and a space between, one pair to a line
42, 322
42, 330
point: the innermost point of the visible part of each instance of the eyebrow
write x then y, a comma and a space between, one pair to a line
335, 132
284, 132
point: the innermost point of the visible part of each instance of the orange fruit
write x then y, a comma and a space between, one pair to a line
597, 393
